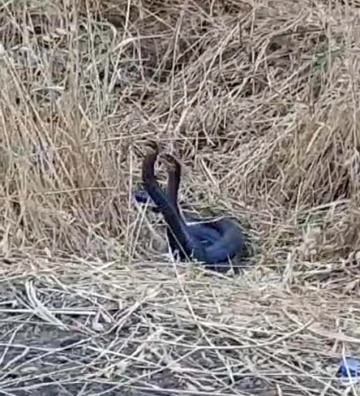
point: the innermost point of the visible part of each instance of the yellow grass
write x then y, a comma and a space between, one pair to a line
260, 101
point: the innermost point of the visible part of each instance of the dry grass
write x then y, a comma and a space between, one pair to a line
261, 102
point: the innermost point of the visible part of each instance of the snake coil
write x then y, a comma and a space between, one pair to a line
213, 242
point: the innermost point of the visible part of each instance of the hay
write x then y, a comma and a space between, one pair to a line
260, 101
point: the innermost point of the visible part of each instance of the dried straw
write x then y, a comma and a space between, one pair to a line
260, 102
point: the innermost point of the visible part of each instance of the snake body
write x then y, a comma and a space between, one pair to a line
212, 242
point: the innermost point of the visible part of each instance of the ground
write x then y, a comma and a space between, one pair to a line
259, 101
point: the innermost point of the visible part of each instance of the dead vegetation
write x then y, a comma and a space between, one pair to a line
261, 102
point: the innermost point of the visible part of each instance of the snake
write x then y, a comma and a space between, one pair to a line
213, 242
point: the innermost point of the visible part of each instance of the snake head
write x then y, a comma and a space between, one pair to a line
153, 146
171, 161
168, 160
